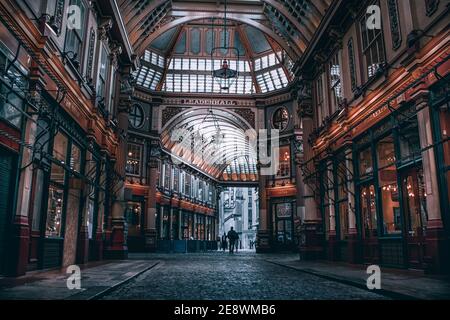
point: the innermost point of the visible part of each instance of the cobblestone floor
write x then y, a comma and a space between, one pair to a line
220, 276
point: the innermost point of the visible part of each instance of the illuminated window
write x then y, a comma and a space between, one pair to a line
284, 166
134, 156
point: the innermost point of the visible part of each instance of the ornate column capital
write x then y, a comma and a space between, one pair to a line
104, 28
304, 99
115, 51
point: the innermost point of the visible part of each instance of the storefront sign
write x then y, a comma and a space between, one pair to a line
207, 102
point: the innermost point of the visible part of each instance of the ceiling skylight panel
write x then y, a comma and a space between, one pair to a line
271, 60
185, 83
201, 64
264, 62
257, 64
208, 83
193, 64
162, 62
185, 64
177, 82
177, 64
193, 83
147, 56
276, 79
201, 83
233, 64
284, 79
154, 59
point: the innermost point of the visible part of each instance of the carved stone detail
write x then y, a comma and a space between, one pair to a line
168, 113
103, 29
352, 64
91, 51
395, 24
247, 114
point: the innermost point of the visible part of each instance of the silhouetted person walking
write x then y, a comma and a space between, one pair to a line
224, 241
232, 237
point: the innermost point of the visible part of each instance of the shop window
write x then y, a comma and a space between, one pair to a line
75, 34
185, 226
187, 185
373, 46
174, 219
283, 223
365, 163
133, 166
133, 218
75, 158
414, 193
167, 169
60, 146
409, 139
284, 166
176, 178
91, 173
90, 215
343, 219
54, 212
165, 230
368, 211
387, 178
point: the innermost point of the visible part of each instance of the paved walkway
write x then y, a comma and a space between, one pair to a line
96, 279
220, 276
396, 283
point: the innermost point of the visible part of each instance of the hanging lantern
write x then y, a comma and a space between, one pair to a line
225, 61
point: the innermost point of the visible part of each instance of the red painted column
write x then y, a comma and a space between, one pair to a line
18, 249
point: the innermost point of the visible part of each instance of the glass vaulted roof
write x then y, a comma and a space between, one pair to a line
213, 141
180, 60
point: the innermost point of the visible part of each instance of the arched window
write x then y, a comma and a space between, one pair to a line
136, 117
280, 119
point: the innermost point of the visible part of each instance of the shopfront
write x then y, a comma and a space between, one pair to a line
135, 224
283, 223
66, 195
13, 90
390, 191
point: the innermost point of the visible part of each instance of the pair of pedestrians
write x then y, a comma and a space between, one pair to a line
232, 237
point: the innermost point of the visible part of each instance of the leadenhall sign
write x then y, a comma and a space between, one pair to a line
208, 102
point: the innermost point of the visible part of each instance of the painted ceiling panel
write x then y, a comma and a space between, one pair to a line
258, 43
163, 41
